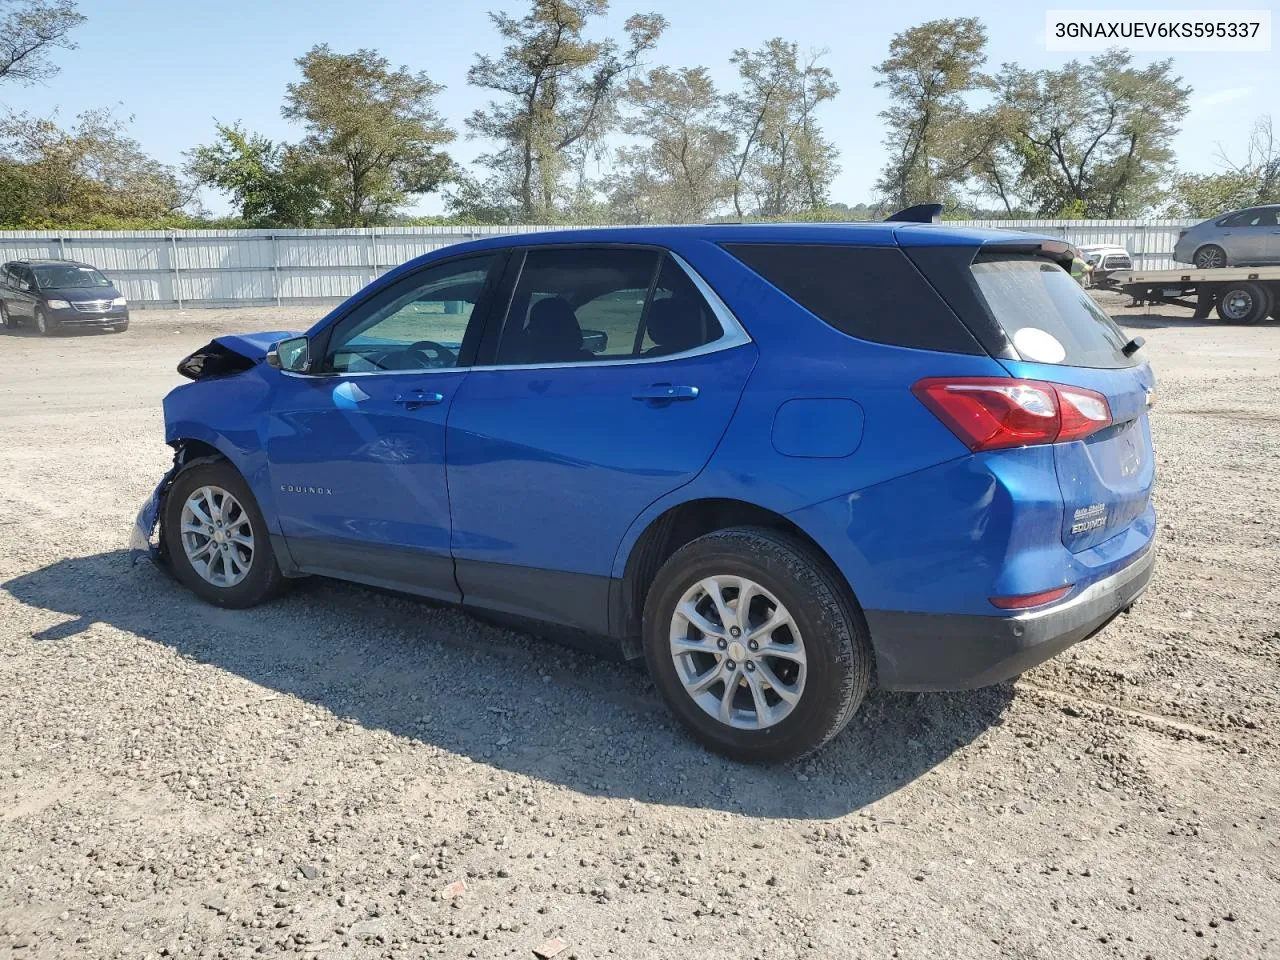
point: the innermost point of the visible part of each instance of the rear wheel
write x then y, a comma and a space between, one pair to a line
216, 537
756, 646
1244, 302
1210, 257
5, 318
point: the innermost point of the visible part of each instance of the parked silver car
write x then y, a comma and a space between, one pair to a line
1244, 237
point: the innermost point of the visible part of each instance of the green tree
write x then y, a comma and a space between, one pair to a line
1253, 180
30, 30
373, 130
90, 172
679, 172
557, 99
933, 139
1094, 137
274, 185
781, 161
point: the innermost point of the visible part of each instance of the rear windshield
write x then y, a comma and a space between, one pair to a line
1048, 317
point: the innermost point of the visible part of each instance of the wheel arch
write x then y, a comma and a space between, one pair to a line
664, 534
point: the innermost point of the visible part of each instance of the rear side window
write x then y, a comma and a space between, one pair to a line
873, 293
1047, 316
1265, 217
588, 305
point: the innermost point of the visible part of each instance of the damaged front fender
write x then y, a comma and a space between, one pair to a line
141, 545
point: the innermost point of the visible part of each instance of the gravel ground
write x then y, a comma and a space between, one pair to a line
344, 773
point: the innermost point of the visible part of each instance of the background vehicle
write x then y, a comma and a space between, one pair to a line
1103, 260
58, 295
1237, 294
800, 452
1240, 238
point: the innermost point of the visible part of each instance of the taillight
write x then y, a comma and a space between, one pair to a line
1028, 600
991, 413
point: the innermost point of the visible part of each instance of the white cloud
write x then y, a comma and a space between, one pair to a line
1229, 95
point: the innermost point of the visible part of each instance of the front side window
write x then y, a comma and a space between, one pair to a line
417, 324
64, 276
582, 305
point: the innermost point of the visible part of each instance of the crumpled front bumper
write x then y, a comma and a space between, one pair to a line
141, 546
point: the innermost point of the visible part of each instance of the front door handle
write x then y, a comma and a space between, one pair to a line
665, 393
415, 399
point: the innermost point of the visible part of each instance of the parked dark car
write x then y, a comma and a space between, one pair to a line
58, 295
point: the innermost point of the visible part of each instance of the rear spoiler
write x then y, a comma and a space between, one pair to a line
1059, 251
920, 213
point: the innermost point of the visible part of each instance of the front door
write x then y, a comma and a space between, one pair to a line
356, 448
613, 381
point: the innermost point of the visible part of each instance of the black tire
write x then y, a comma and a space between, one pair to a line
119, 328
1209, 257
6, 318
836, 641
1245, 302
43, 326
264, 579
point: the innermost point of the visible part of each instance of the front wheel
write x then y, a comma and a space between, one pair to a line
757, 647
216, 537
43, 326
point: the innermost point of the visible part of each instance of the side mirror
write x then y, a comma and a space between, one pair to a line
595, 341
292, 355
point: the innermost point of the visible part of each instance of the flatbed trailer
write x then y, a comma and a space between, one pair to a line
1238, 294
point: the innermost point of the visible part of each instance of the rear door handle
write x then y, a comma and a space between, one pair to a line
419, 398
665, 393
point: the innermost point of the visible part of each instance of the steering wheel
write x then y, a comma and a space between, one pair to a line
433, 354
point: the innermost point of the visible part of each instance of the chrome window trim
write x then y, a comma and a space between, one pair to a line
734, 335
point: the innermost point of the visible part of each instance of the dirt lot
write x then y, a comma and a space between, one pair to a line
312, 776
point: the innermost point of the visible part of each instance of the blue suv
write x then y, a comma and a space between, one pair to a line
776, 461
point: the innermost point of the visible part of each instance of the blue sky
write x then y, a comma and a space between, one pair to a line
175, 66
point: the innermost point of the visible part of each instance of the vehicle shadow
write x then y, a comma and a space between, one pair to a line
29, 330
1156, 321
439, 676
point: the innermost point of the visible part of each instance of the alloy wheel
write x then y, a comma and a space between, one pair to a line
217, 536
738, 652
1210, 258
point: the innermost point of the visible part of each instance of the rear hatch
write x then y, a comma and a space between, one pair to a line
1057, 333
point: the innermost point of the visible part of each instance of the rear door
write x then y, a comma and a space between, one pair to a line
21, 298
1062, 336
609, 385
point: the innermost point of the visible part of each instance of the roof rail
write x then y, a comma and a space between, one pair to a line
920, 213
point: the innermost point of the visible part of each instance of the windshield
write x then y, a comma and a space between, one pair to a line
1049, 317
67, 275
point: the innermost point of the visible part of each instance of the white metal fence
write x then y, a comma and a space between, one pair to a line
243, 267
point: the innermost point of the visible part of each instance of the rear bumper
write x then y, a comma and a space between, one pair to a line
935, 651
